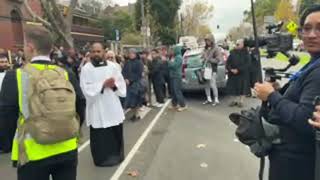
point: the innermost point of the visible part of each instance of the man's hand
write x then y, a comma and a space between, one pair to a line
264, 90
235, 71
127, 82
109, 83
316, 118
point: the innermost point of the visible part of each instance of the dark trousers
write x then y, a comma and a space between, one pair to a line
62, 170
167, 89
291, 168
159, 91
177, 95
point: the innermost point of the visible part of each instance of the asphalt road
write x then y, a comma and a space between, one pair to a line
198, 144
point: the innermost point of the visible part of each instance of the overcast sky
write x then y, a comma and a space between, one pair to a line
228, 13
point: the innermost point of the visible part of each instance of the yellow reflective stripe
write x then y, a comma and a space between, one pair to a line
19, 88
15, 150
44, 66
67, 75
37, 151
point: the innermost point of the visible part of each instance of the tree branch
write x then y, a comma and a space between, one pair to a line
35, 16
72, 6
57, 12
56, 28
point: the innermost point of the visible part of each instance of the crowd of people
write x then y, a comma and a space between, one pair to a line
44, 84
47, 92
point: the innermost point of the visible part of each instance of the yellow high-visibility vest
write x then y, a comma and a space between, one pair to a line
31, 148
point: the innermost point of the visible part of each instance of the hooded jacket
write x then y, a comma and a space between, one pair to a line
212, 55
175, 67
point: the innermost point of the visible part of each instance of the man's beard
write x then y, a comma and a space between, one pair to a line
97, 59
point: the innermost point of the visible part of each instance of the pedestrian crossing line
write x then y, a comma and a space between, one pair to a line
136, 147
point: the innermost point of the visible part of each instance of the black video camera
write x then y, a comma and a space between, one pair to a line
272, 74
275, 41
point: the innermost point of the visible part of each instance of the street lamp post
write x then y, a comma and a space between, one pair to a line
256, 38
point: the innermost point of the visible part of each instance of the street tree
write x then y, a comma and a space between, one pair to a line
119, 20
285, 12
263, 8
162, 18
196, 18
242, 31
57, 21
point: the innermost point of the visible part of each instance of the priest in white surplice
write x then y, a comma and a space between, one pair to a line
102, 84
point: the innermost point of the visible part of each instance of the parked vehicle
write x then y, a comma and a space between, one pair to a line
191, 63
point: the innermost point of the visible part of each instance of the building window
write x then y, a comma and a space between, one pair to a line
17, 29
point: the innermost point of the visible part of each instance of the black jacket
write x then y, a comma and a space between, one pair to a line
291, 112
9, 106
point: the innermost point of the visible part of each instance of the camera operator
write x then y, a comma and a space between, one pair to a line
294, 158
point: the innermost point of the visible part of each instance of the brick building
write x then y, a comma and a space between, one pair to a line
15, 20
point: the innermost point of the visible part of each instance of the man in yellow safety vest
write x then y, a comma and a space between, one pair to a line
38, 154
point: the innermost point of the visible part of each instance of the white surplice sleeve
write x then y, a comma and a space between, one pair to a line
90, 88
120, 83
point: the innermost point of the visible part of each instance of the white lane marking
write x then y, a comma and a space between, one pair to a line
136, 147
84, 145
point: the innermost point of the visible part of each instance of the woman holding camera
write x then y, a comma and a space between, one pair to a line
294, 158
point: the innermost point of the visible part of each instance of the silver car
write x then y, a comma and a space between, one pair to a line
193, 62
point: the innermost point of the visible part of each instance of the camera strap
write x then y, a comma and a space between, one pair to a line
305, 69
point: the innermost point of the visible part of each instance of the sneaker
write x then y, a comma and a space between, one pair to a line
233, 104
182, 109
173, 107
215, 103
240, 105
159, 105
207, 102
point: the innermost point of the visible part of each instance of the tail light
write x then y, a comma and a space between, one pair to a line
184, 66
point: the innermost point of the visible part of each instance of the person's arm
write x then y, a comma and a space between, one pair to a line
294, 114
175, 64
121, 87
91, 90
216, 56
80, 99
9, 108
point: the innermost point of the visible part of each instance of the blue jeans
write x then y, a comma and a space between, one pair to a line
176, 90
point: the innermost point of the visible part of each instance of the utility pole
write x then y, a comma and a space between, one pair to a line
256, 38
144, 27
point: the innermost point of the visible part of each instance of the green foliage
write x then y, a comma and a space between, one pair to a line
263, 8
131, 38
162, 17
119, 20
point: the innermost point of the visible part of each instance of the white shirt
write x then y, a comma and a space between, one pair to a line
2, 74
103, 110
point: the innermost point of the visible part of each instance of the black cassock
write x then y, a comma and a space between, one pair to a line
107, 146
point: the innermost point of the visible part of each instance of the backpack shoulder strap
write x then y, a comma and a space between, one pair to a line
31, 70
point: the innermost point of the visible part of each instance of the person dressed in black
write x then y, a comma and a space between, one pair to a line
165, 69
294, 157
157, 77
132, 73
238, 65
81, 101
61, 166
